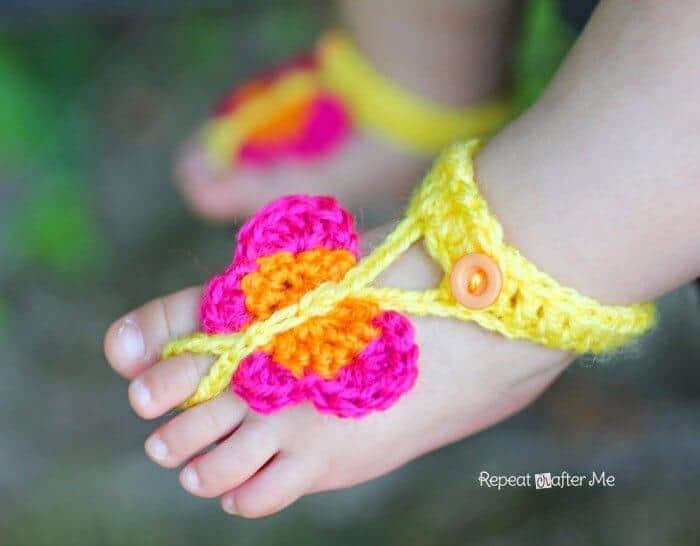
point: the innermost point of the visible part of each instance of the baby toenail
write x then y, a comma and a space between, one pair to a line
190, 479
156, 448
228, 505
139, 393
131, 343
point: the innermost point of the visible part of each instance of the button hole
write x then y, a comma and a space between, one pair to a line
478, 282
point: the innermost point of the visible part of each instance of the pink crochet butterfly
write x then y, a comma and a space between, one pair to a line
355, 359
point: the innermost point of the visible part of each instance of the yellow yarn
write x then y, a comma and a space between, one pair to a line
374, 102
451, 215
383, 107
225, 135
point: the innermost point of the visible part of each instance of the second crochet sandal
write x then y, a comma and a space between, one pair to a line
308, 108
295, 318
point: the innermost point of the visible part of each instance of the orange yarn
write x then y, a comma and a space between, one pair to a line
283, 124
322, 344
249, 90
282, 278
327, 343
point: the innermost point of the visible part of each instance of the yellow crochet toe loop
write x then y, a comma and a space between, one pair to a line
460, 233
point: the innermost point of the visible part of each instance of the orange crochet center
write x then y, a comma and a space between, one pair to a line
285, 123
321, 344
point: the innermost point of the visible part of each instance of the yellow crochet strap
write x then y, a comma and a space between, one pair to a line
383, 107
451, 215
454, 220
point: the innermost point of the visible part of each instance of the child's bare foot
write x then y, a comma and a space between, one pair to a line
586, 206
459, 58
469, 379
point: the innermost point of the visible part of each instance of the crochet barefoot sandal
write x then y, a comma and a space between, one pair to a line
294, 317
306, 109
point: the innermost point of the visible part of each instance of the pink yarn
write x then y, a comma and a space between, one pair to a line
222, 308
384, 370
375, 379
327, 127
294, 223
231, 101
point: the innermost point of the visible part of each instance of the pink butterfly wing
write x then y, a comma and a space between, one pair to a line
294, 223
384, 370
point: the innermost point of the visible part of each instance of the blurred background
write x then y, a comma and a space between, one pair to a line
95, 98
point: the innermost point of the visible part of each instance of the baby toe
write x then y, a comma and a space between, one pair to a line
167, 384
233, 461
217, 192
188, 433
135, 341
285, 479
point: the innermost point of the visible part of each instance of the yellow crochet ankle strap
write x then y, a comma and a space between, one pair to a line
398, 115
454, 220
452, 217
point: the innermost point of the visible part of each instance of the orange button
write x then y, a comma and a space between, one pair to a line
475, 281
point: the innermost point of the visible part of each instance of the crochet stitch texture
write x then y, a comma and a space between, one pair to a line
377, 357
348, 361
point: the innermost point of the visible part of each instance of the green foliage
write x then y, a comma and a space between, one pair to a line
57, 229
199, 41
275, 29
44, 130
24, 118
284, 28
545, 39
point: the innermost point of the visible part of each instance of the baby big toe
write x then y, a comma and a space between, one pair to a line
134, 342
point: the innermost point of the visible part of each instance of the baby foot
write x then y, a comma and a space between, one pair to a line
328, 123
469, 379
364, 165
